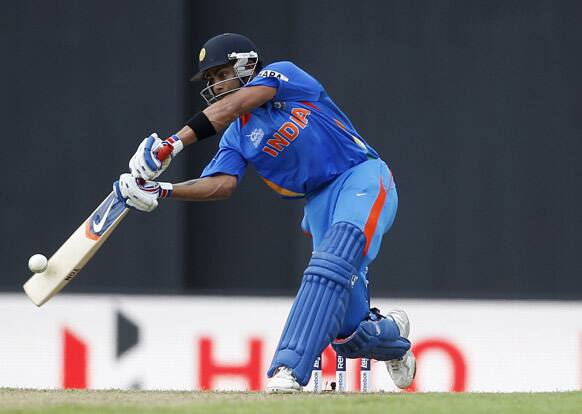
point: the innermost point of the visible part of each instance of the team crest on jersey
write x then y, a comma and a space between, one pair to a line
273, 74
256, 136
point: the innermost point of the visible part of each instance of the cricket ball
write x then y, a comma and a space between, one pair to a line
37, 263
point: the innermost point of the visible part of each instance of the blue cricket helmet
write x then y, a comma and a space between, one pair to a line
226, 48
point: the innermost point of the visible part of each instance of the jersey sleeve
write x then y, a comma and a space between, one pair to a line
228, 159
292, 83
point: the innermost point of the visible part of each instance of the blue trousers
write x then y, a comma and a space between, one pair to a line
365, 196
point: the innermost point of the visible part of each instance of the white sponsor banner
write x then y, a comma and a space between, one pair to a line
190, 342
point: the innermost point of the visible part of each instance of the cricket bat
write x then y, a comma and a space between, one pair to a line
80, 247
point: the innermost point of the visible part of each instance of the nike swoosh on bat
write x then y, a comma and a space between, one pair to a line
98, 226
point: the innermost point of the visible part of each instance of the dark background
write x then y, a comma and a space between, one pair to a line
474, 105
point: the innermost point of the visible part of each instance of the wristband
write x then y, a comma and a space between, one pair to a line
201, 126
176, 144
166, 190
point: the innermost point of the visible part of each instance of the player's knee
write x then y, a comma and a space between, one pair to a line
351, 323
339, 254
378, 340
358, 307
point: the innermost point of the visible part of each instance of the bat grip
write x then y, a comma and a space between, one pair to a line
164, 152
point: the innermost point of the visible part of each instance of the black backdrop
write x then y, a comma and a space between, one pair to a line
474, 105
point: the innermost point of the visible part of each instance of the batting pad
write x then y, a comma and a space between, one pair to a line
320, 304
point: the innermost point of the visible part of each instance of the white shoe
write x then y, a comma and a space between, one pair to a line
283, 382
402, 370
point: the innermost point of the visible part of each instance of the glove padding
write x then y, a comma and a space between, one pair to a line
140, 195
144, 163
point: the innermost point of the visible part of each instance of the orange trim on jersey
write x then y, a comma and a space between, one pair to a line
88, 233
339, 124
244, 119
283, 191
372, 221
357, 140
308, 234
309, 104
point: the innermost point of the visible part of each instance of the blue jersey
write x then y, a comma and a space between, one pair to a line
297, 143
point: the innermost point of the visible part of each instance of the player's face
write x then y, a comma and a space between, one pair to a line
222, 79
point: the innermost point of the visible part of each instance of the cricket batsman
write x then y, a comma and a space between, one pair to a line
280, 119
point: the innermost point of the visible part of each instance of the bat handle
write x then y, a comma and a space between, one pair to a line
164, 152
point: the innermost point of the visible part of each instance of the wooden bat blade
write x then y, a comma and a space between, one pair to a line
79, 248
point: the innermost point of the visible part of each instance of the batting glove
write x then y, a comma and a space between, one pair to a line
140, 195
144, 163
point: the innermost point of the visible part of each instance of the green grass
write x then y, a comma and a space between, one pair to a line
173, 402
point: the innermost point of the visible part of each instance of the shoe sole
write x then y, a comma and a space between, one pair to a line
413, 373
282, 391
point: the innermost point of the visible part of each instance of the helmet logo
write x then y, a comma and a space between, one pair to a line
202, 54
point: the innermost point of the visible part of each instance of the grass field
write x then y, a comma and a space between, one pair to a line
168, 402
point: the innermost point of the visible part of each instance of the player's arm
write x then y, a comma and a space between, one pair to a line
144, 195
220, 114
214, 119
216, 187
